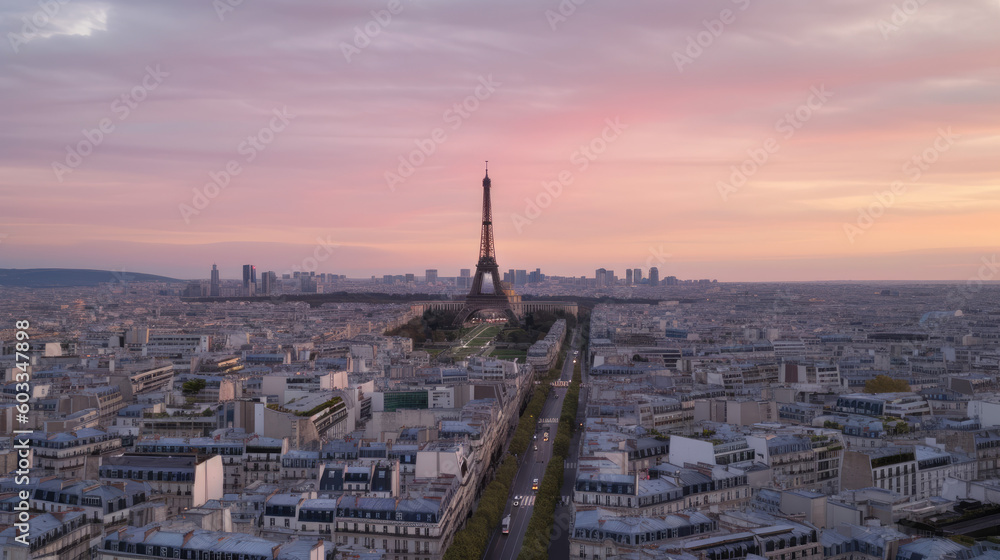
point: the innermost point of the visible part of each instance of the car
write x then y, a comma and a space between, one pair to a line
517, 500
536, 447
534, 484
536, 436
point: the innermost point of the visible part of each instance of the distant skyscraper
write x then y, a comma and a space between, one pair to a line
535, 276
431, 276
410, 278
600, 278
308, 284
268, 283
520, 277
464, 280
628, 276
249, 280
654, 276
214, 285
670, 280
636, 275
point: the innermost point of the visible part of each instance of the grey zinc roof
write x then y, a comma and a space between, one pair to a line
420, 505
931, 549
655, 486
319, 503
284, 500
630, 525
217, 541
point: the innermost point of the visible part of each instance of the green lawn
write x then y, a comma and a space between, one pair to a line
519, 355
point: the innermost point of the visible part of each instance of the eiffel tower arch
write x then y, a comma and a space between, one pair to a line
494, 298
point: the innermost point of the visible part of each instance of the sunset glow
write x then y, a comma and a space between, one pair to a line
821, 140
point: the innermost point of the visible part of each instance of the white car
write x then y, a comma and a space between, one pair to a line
517, 500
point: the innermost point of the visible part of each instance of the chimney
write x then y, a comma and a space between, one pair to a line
187, 537
150, 531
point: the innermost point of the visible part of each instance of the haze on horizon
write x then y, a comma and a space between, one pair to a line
867, 135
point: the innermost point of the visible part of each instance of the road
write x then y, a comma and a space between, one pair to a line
559, 547
532, 466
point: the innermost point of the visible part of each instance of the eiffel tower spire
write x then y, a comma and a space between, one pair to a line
487, 252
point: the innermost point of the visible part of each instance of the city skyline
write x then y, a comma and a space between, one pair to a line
748, 142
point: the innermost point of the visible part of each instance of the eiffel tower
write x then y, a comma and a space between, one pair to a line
494, 299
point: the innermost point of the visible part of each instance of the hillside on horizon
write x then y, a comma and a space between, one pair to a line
71, 277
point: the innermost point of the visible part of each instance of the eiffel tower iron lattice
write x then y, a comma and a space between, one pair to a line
495, 298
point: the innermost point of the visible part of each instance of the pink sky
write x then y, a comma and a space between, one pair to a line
651, 197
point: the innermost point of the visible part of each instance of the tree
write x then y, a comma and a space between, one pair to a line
886, 384
193, 386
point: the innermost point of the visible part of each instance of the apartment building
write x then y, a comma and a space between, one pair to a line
181, 482
601, 534
916, 471
62, 536
71, 454
108, 504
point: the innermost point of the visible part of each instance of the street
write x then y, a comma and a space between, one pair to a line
533, 466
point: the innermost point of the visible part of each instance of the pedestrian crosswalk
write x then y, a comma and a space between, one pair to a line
549, 421
569, 465
528, 501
